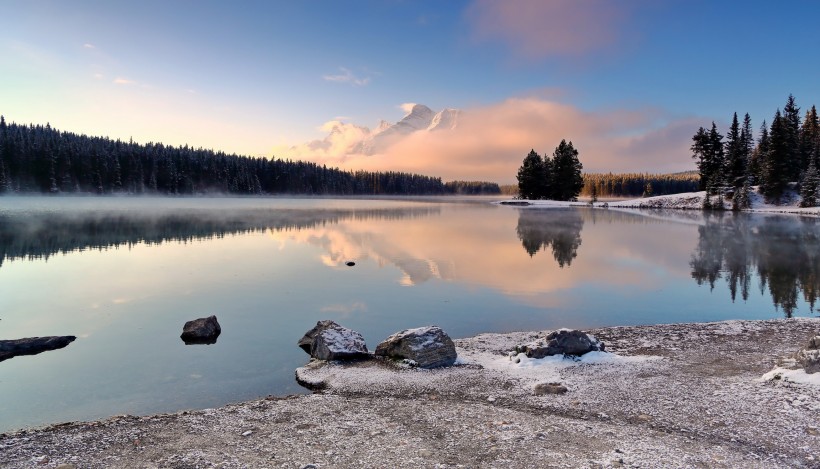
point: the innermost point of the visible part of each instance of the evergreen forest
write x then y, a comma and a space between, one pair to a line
639, 184
45, 160
784, 158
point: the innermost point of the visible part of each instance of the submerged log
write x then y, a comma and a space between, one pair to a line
32, 345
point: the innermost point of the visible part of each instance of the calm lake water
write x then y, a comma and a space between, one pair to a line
124, 274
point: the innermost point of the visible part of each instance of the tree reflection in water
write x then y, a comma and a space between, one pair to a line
558, 229
783, 250
41, 235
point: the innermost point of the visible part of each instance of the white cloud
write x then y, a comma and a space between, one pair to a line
490, 142
89, 46
347, 77
124, 81
407, 107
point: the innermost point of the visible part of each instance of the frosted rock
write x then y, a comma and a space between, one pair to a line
564, 341
429, 347
201, 331
809, 357
330, 341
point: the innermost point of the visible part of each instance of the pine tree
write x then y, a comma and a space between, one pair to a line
701, 153
776, 161
809, 187
533, 182
747, 144
809, 139
717, 175
567, 177
758, 158
707, 150
735, 155
791, 116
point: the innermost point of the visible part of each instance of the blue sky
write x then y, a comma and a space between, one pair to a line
628, 81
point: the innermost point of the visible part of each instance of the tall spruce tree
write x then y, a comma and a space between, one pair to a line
533, 177
791, 117
567, 177
747, 144
735, 155
758, 158
809, 139
716, 175
777, 161
700, 152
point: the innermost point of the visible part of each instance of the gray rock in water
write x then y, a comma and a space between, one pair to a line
201, 331
32, 345
429, 347
809, 357
564, 341
330, 341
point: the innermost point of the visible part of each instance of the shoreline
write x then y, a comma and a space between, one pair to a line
668, 395
690, 201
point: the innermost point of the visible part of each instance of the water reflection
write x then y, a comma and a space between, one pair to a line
784, 251
559, 230
25, 235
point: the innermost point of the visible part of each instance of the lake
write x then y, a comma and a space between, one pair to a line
125, 274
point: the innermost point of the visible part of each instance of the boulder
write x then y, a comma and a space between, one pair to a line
330, 341
428, 347
809, 357
32, 345
563, 341
201, 331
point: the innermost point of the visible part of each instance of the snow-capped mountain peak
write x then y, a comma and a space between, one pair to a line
446, 119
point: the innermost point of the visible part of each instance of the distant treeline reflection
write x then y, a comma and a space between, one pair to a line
41, 235
783, 250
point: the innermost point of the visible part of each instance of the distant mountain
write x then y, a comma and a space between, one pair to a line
420, 119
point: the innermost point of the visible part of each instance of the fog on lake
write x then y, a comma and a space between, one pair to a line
124, 274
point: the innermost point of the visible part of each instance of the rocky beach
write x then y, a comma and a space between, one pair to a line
726, 394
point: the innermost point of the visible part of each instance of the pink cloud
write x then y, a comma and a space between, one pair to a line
536, 29
490, 142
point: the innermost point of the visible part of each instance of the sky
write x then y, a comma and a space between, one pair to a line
627, 81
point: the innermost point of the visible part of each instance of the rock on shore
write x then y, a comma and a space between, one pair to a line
426, 347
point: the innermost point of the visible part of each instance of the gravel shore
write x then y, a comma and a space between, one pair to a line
681, 395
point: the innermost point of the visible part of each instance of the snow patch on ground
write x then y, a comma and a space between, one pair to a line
792, 376
790, 203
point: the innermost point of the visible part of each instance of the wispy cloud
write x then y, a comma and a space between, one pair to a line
124, 81
89, 46
535, 29
346, 76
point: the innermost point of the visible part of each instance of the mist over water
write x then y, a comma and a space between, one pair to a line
124, 274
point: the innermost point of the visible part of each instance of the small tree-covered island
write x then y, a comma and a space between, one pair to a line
557, 177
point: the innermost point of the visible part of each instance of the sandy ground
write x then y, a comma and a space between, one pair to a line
686, 395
